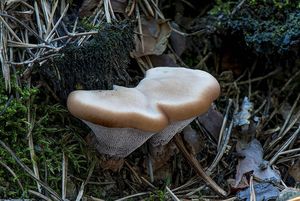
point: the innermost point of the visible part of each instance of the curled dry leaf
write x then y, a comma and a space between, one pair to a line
155, 34
251, 159
294, 170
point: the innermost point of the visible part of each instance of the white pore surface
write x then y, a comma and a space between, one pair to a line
118, 142
168, 133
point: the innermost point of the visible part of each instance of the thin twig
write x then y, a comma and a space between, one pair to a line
90, 172
133, 196
285, 145
173, 196
39, 195
64, 176
12, 173
197, 167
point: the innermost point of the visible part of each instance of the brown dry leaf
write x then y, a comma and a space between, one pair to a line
161, 155
155, 34
118, 6
212, 121
163, 60
87, 7
294, 170
192, 139
177, 40
252, 160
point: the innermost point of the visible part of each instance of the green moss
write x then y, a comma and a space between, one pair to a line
51, 137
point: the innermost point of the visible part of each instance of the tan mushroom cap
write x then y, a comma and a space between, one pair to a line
181, 93
166, 94
119, 108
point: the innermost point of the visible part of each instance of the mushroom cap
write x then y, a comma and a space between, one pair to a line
119, 108
165, 95
181, 93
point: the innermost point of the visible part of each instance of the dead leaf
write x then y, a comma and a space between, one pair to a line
177, 40
155, 34
192, 139
263, 192
163, 60
294, 170
160, 155
251, 159
290, 194
87, 7
118, 6
212, 121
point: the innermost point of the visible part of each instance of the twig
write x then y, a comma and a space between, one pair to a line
24, 25
283, 130
196, 166
133, 196
39, 195
90, 172
64, 176
31, 123
12, 173
57, 23
252, 190
222, 149
106, 10
255, 79
173, 196
224, 123
140, 26
285, 145
133, 171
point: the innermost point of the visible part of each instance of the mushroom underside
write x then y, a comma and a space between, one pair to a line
120, 142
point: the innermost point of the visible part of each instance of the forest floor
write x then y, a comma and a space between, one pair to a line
246, 147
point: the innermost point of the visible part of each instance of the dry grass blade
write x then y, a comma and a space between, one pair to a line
133, 196
3, 56
64, 176
173, 196
31, 120
197, 167
57, 23
39, 195
224, 123
284, 130
90, 172
285, 145
222, 149
254, 79
51, 18
252, 190
12, 173
107, 12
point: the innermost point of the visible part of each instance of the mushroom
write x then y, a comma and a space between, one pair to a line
181, 93
163, 103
